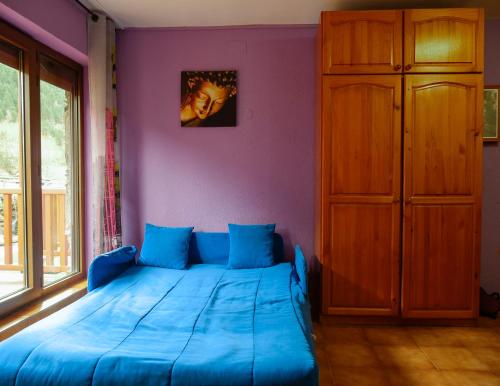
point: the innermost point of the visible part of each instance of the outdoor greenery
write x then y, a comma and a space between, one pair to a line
9, 94
53, 103
9, 132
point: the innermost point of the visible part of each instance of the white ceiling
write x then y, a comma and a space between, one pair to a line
197, 13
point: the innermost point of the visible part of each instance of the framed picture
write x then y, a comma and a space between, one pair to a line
491, 108
208, 98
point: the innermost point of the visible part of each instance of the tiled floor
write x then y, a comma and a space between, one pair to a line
406, 356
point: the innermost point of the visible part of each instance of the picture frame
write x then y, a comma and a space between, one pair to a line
208, 98
491, 110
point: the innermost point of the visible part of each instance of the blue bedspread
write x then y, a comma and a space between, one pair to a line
154, 326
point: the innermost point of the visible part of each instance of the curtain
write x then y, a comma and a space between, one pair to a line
106, 224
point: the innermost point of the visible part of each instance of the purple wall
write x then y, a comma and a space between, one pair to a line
490, 256
260, 171
60, 24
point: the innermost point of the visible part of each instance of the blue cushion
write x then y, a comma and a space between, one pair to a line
209, 248
213, 248
251, 246
165, 247
107, 266
301, 269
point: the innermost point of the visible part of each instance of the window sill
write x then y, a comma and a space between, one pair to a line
41, 308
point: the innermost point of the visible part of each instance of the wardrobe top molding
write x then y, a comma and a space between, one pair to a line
440, 40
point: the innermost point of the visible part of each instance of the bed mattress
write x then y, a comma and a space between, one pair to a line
206, 325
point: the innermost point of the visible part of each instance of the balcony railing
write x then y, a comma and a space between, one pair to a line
55, 244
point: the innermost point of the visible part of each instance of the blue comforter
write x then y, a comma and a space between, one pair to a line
154, 326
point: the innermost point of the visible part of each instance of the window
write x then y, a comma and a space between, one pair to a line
12, 187
59, 156
40, 170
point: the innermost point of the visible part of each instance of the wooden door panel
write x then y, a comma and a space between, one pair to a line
440, 271
362, 42
442, 194
444, 40
364, 117
444, 123
361, 191
364, 266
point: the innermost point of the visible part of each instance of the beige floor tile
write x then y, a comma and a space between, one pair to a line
479, 337
325, 377
325, 372
435, 336
488, 355
453, 358
471, 378
318, 332
355, 377
389, 336
417, 378
403, 357
322, 356
344, 335
351, 355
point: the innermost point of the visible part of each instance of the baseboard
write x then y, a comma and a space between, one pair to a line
394, 321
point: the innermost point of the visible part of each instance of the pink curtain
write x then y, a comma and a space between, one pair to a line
106, 224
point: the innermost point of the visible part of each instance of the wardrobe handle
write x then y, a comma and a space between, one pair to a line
397, 67
408, 67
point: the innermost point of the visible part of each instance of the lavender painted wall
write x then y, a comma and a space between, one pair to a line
263, 169
60, 24
490, 256
260, 171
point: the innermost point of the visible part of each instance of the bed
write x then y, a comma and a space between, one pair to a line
206, 325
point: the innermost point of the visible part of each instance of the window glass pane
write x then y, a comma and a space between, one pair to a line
12, 216
58, 177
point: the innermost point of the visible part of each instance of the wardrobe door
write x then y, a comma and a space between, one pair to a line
362, 42
444, 40
361, 193
442, 193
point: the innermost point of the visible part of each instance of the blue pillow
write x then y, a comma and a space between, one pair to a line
251, 246
301, 269
165, 247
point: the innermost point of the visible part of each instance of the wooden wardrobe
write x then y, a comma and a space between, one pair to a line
399, 147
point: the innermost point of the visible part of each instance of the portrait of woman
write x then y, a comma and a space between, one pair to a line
208, 98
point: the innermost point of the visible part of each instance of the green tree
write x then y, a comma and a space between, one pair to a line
9, 93
53, 103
